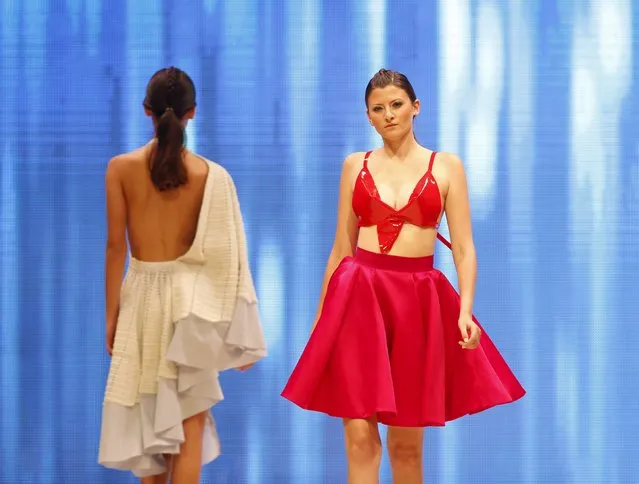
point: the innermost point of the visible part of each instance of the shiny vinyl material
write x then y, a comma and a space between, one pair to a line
386, 347
424, 207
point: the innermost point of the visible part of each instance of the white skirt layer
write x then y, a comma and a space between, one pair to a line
164, 371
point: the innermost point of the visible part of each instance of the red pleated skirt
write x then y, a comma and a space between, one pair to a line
387, 346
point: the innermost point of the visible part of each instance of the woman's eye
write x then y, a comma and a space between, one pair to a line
397, 105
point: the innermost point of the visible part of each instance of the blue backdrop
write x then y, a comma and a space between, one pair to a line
539, 98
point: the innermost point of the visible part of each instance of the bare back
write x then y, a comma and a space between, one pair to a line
161, 226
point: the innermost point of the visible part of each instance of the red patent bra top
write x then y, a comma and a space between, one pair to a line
423, 209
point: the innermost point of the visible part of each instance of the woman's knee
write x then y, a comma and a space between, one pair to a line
405, 448
362, 444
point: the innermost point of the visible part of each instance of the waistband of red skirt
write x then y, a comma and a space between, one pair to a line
393, 262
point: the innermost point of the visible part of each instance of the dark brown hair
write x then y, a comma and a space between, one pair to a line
170, 95
385, 77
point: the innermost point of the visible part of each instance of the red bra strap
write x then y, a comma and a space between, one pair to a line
444, 241
439, 236
432, 159
368, 153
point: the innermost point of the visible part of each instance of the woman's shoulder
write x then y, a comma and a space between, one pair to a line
355, 156
355, 160
140, 153
122, 162
450, 161
352, 165
215, 168
220, 177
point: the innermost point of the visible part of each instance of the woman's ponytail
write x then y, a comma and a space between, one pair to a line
167, 166
170, 96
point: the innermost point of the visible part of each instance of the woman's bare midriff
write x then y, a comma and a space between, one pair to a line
162, 225
413, 241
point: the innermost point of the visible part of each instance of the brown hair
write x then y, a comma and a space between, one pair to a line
385, 77
170, 95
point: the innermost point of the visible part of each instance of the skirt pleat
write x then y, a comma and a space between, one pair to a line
387, 346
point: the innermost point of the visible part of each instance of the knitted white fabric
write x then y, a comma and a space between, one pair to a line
180, 323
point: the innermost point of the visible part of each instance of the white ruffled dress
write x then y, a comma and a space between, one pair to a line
181, 323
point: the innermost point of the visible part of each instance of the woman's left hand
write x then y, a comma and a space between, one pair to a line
470, 331
245, 367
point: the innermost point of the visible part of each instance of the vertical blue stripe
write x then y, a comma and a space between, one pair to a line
520, 168
303, 24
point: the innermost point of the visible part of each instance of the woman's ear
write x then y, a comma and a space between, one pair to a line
190, 114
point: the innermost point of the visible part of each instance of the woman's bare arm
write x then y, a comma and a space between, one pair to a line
459, 223
346, 231
116, 247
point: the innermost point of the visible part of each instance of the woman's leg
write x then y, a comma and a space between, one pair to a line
160, 478
405, 452
188, 463
363, 450
157, 479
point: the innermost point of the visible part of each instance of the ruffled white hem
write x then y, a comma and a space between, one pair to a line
135, 437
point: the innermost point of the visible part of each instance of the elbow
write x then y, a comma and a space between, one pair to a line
463, 252
116, 246
341, 250
338, 253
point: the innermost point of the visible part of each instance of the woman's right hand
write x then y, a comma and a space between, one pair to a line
245, 367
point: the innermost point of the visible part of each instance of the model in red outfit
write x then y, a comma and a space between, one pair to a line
393, 342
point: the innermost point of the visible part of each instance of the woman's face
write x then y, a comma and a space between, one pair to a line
391, 112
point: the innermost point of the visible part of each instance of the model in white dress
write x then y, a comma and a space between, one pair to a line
180, 322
